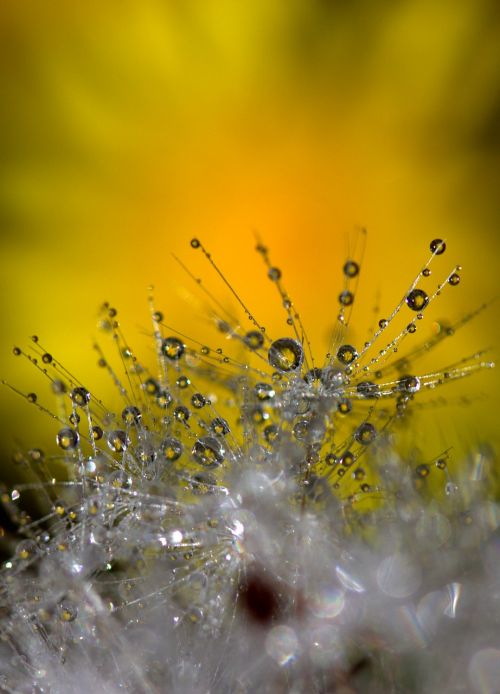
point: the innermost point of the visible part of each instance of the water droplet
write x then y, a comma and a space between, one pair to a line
286, 354
417, 299
117, 441
16, 351
32, 397
365, 433
368, 389
172, 348
359, 474
422, 470
344, 406
411, 327
181, 413
347, 459
151, 386
163, 399
264, 391
183, 382
97, 433
346, 354
47, 358
271, 433
408, 384
74, 418
158, 316
26, 549
80, 396
346, 298
441, 464
219, 426
274, 274
36, 455
383, 323
171, 448
67, 612
437, 246
454, 279
351, 268
131, 415
67, 439
208, 451
254, 339
195, 243
198, 401
426, 272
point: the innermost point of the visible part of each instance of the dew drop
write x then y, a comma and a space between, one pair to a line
195, 243
16, 351
437, 246
274, 274
117, 441
454, 279
171, 448
254, 339
286, 354
208, 451
344, 406
365, 433
408, 384
158, 316
172, 348
183, 382
67, 439
346, 298
97, 433
80, 396
32, 397
264, 391
422, 470
198, 401
411, 328
47, 358
346, 354
219, 426
351, 269
181, 413
131, 415
417, 300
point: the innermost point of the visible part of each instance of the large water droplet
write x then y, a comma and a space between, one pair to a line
208, 451
417, 299
286, 354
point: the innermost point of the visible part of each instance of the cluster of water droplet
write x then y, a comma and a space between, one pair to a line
245, 523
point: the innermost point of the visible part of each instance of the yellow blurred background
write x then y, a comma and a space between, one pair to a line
126, 128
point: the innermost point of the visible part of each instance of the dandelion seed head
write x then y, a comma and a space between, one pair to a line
245, 519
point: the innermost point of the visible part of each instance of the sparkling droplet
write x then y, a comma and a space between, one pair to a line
131, 415
80, 396
411, 327
264, 391
67, 439
97, 433
351, 268
346, 354
172, 348
183, 382
437, 246
219, 426
171, 448
346, 298
254, 339
198, 401
417, 300
368, 389
454, 279
365, 433
286, 354
181, 413
117, 441
383, 323
426, 272
208, 451
163, 399
422, 470
409, 384
344, 406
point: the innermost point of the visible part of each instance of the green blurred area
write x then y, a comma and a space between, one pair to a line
126, 128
